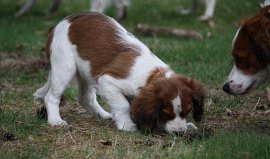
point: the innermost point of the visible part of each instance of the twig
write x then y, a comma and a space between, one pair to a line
266, 112
229, 112
148, 30
71, 137
257, 104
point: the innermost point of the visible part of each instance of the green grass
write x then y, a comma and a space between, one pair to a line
18, 123
243, 133
245, 144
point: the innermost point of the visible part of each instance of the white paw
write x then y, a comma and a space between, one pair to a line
127, 126
57, 122
204, 17
191, 126
105, 115
37, 96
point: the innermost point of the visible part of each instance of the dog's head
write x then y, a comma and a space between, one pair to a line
167, 102
251, 54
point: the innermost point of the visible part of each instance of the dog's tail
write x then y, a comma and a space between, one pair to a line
41, 92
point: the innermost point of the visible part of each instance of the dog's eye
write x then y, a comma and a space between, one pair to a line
166, 112
240, 62
167, 115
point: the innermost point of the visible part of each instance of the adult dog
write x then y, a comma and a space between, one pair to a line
110, 61
250, 51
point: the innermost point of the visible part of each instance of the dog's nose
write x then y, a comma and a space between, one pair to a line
226, 88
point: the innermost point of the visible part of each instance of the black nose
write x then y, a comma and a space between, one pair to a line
226, 88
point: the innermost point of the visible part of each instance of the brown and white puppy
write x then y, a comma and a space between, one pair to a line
109, 61
250, 51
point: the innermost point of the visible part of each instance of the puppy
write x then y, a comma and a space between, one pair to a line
209, 9
109, 61
95, 6
250, 51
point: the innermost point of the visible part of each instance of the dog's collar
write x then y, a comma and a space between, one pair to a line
260, 53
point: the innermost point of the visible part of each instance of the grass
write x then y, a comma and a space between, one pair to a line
232, 126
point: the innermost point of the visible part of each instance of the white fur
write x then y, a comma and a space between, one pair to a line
234, 38
177, 124
240, 83
66, 63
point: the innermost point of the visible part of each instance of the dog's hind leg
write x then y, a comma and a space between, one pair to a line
63, 69
87, 98
26, 6
41, 92
61, 74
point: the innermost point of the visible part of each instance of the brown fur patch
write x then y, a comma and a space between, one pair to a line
258, 28
196, 92
157, 73
48, 44
95, 36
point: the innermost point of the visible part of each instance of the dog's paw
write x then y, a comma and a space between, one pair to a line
127, 126
37, 96
57, 123
105, 115
191, 127
204, 18
130, 128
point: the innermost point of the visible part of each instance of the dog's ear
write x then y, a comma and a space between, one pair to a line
146, 108
198, 94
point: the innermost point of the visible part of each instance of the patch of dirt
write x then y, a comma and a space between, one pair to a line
248, 112
17, 62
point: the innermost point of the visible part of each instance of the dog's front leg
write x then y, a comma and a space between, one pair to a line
209, 10
120, 108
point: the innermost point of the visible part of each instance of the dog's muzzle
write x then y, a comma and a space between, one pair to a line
226, 88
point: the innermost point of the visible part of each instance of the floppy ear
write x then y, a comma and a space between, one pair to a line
198, 94
146, 108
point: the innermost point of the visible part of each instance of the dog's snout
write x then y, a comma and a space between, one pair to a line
226, 87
